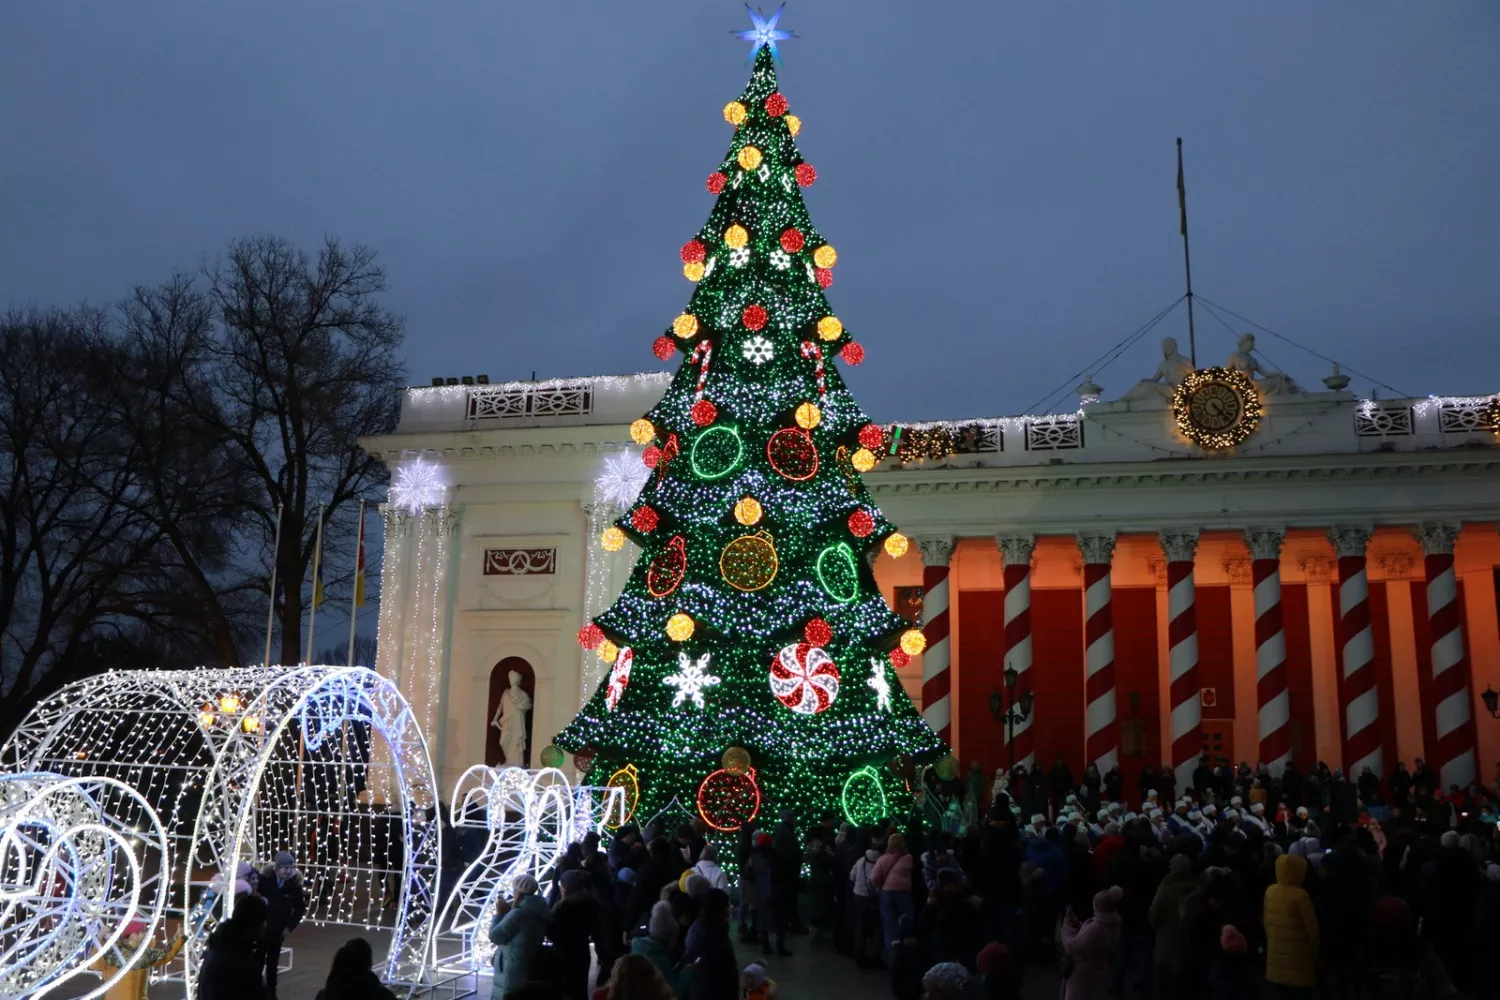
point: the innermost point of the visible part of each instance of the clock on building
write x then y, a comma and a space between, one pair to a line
1216, 408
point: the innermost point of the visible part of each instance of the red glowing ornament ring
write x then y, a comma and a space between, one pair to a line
716, 182
852, 354
805, 174
861, 523
824, 276
644, 519
900, 658
693, 250
817, 632
704, 413
590, 636
792, 240
776, 105
651, 456
663, 347
754, 317
872, 437
727, 801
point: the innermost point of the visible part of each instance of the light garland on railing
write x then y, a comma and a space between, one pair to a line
80, 858
226, 792
598, 383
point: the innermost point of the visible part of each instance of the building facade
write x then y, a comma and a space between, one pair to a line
1316, 581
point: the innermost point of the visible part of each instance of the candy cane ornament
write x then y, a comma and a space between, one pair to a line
619, 677
700, 356
812, 350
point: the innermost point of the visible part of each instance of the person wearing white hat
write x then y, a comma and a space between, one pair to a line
1257, 818
1178, 821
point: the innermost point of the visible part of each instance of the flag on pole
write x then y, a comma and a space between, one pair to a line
359, 567
318, 586
1181, 194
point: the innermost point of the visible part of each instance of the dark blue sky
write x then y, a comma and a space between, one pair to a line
997, 177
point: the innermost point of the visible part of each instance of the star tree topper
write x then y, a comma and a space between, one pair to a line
691, 679
764, 33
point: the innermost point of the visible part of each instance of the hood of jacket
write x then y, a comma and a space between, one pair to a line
533, 906
1291, 870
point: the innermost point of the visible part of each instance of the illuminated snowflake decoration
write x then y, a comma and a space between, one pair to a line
880, 684
621, 478
780, 260
763, 32
691, 679
739, 258
757, 350
416, 486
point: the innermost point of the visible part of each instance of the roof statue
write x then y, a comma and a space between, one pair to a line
1173, 368
1271, 382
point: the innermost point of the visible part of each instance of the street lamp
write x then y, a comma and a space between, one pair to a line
1491, 701
1010, 710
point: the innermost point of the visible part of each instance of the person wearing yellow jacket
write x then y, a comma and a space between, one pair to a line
1291, 931
133, 984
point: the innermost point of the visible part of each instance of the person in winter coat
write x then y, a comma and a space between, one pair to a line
663, 868
286, 904
574, 925
516, 932
866, 934
1165, 918
708, 867
1231, 973
132, 985
350, 976
1291, 927
892, 877
231, 967
1088, 946
710, 953
656, 946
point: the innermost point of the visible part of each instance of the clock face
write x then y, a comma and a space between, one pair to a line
1215, 406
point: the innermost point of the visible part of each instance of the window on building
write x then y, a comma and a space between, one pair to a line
909, 604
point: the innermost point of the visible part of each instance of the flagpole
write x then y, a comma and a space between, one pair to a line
359, 548
312, 615
271, 603
1187, 261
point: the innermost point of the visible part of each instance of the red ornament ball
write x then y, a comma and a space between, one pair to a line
704, 413
776, 105
793, 454
852, 353
651, 456
716, 182
590, 636
693, 250
818, 633
754, 317
792, 240
872, 437
824, 276
644, 519
805, 174
900, 658
861, 523
663, 347
728, 801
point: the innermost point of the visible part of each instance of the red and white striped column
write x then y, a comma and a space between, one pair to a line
1359, 700
1182, 641
1016, 551
1454, 755
1102, 732
1272, 695
937, 680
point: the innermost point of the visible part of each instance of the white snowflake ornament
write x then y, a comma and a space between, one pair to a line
691, 679
757, 350
780, 260
739, 257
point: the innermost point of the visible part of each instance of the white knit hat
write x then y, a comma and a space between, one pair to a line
1037, 818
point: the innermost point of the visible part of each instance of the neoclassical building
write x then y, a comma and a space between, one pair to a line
1262, 573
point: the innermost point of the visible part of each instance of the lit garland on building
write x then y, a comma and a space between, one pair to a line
1216, 408
759, 526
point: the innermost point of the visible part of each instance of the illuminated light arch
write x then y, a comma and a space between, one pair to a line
79, 859
530, 818
328, 762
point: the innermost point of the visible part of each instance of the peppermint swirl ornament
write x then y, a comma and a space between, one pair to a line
619, 678
804, 678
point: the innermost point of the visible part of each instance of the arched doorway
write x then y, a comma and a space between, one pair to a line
499, 681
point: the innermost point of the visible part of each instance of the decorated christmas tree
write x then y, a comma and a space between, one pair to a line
753, 659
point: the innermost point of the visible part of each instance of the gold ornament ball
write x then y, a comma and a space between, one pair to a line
829, 327
825, 256
747, 511
693, 270
250, 724
809, 416
913, 641
613, 539
749, 158
863, 460
680, 627
643, 431
794, 123
736, 236
749, 563
736, 760
229, 704
685, 325
734, 113
896, 545
608, 651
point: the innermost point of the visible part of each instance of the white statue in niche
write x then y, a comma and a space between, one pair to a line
1173, 369
510, 719
1272, 383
